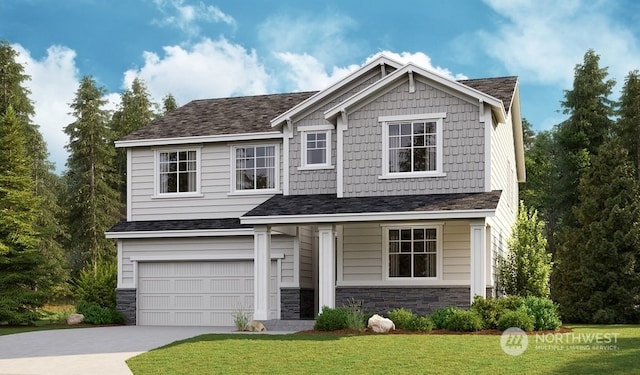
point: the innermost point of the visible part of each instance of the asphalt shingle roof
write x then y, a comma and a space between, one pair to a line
500, 87
168, 225
238, 115
328, 204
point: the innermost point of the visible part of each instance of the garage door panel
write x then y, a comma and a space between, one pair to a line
198, 293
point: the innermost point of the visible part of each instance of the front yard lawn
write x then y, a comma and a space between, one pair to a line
387, 354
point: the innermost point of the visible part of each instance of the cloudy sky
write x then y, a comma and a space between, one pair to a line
205, 49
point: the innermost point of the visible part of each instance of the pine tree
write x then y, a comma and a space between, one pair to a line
93, 205
134, 112
602, 280
169, 104
526, 268
628, 126
21, 263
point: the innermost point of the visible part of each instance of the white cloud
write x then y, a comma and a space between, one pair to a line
208, 69
187, 17
545, 39
54, 81
419, 59
307, 73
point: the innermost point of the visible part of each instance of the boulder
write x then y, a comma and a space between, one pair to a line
379, 324
75, 319
255, 326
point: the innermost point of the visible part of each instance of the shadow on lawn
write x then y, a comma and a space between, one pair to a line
258, 337
623, 360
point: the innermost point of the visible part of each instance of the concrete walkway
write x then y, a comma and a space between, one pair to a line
95, 351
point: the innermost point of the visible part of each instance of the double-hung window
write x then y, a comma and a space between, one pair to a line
413, 252
177, 172
316, 146
255, 168
412, 145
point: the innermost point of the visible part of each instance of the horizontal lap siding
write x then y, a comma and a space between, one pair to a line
215, 184
306, 256
456, 260
463, 144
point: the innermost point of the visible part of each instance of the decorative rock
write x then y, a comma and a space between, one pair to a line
74, 319
379, 324
255, 326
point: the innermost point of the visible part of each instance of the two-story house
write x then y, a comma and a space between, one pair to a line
395, 186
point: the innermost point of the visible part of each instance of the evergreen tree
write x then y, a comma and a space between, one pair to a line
600, 274
21, 264
628, 126
526, 268
134, 112
169, 104
93, 205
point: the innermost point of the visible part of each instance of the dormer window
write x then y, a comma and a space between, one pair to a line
412, 145
315, 146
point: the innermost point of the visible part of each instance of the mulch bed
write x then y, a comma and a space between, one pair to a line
495, 332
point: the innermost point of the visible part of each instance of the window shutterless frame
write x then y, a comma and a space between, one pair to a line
177, 172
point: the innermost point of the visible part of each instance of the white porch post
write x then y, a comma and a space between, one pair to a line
326, 265
261, 271
478, 259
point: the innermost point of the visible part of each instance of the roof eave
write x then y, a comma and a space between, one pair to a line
198, 139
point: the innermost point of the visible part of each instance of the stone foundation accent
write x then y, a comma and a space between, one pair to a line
126, 304
420, 300
296, 304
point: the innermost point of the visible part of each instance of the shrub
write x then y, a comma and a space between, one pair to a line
241, 318
519, 318
355, 316
512, 303
544, 312
402, 318
489, 310
96, 314
332, 319
98, 285
465, 321
421, 323
440, 317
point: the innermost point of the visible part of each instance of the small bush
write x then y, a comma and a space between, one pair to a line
241, 318
355, 316
96, 314
421, 323
519, 318
402, 318
464, 321
98, 285
489, 310
440, 317
512, 303
544, 312
332, 319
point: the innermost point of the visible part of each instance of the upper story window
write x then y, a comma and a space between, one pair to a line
255, 168
178, 172
316, 146
412, 145
413, 252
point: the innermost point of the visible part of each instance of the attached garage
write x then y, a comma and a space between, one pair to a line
202, 293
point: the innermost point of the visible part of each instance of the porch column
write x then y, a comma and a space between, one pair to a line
478, 258
261, 271
327, 267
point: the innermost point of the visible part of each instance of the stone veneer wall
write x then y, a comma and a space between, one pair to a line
296, 304
126, 304
419, 300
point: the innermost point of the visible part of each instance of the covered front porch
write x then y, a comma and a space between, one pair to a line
419, 259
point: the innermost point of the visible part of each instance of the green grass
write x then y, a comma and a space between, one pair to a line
52, 317
383, 354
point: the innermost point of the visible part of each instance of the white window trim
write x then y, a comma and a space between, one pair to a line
429, 117
412, 280
304, 131
156, 174
232, 170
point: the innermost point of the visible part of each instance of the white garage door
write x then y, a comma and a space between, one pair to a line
198, 293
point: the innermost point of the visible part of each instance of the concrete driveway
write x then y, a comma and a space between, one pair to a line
95, 351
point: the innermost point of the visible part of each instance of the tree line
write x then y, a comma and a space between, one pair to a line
52, 227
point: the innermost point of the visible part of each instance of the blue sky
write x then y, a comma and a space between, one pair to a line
204, 49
